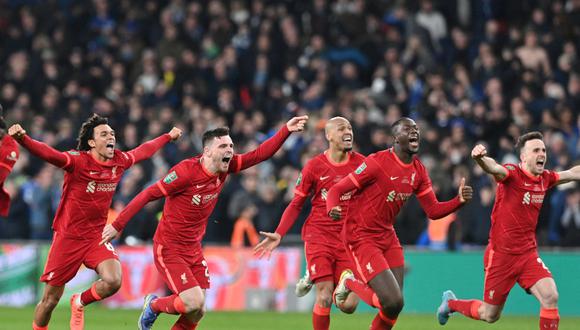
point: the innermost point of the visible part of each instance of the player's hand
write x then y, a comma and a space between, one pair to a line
16, 131
479, 151
267, 245
297, 124
465, 192
335, 213
109, 233
175, 133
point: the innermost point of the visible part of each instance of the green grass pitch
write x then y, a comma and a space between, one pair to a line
97, 318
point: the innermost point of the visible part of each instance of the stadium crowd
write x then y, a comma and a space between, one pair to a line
467, 71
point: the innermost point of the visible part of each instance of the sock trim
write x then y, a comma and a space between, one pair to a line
386, 319
178, 305
94, 292
36, 327
475, 309
549, 313
319, 310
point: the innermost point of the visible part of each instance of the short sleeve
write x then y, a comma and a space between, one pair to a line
175, 181
553, 178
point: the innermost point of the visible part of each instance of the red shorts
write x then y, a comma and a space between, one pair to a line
180, 272
326, 263
371, 257
503, 270
66, 256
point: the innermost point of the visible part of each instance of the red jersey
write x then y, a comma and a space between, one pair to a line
384, 184
317, 177
89, 185
8, 155
191, 194
519, 198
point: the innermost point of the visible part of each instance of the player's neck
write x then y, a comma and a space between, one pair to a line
403, 156
98, 157
208, 166
337, 156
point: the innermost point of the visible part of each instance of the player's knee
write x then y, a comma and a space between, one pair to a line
50, 302
348, 308
550, 300
490, 316
324, 299
193, 306
392, 306
113, 282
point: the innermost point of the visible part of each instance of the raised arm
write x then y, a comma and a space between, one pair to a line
488, 164
150, 194
436, 209
39, 149
572, 174
149, 148
269, 147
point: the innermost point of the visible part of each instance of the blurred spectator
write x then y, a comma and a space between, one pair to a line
467, 71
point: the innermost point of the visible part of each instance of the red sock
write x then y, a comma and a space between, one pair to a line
170, 305
90, 295
320, 317
183, 323
468, 308
549, 318
382, 322
36, 327
363, 291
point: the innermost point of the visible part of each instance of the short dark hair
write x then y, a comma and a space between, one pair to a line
214, 133
535, 135
88, 130
398, 123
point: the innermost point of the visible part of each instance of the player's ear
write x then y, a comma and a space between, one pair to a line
92, 143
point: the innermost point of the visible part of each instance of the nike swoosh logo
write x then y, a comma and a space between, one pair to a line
527, 184
93, 172
200, 186
394, 177
322, 178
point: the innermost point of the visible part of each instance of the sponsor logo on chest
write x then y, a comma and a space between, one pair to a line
530, 198
198, 199
93, 187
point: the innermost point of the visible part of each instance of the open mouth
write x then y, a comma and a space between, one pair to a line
414, 141
540, 162
110, 146
226, 160
347, 138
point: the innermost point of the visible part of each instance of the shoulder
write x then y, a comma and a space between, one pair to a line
122, 156
357, 157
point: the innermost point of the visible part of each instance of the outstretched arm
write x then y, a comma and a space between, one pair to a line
436, 209
110, 231
149, 148
272, 240
269, 147
572, 174
39, 149
488, 164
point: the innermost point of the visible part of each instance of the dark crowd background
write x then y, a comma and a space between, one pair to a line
468, 71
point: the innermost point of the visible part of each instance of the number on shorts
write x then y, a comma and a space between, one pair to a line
110, 247
204, 263
539, 260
